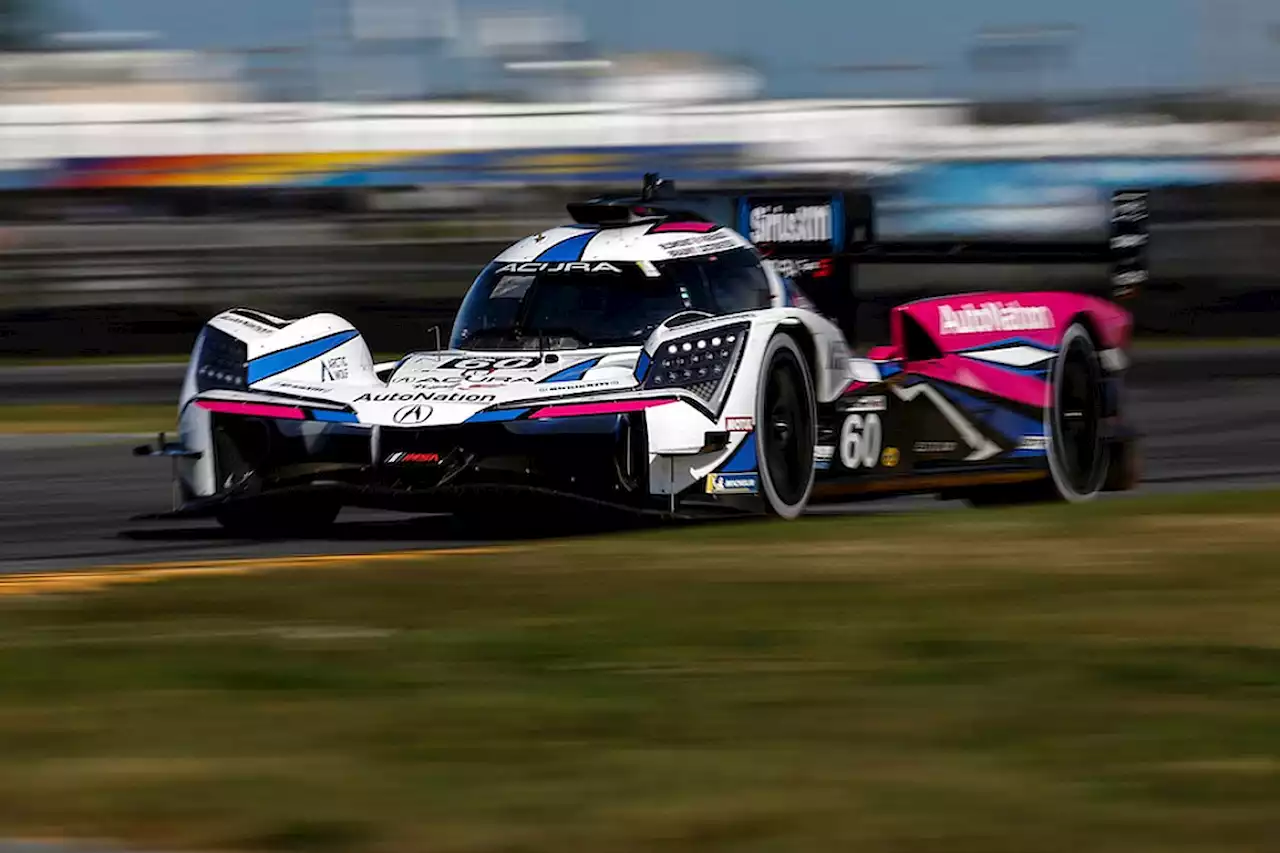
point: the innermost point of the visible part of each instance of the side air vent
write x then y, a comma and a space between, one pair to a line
916, 343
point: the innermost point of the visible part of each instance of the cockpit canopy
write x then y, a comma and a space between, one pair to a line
569, 305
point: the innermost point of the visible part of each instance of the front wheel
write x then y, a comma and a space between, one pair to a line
786, 429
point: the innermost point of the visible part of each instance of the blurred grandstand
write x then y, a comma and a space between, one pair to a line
136, 175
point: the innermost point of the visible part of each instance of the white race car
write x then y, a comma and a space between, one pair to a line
647, 357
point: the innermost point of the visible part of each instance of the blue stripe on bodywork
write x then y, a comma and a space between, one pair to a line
575, 372
743, 459
837, 223
568, 250
496, 416
1009, 424
266, 366
332, 417
1006, 344
887, 370
744, 216
642, 366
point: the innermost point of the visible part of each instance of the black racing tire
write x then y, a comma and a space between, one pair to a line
1124, 470
786, 428
1078, 454
284, 520
1079, 459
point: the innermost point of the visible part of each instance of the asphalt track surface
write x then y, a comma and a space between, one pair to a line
67, 501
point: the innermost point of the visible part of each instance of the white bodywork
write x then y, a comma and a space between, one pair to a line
451, 387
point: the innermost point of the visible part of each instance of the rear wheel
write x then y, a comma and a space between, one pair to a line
786, 429
1079, 459
1078, 455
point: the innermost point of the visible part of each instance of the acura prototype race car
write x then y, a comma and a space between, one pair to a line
651, 356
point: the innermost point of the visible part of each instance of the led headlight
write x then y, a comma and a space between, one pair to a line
220, 360
700, 363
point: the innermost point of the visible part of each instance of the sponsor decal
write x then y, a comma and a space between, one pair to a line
935, 447
412, 415
796, 267
566, 387
1034, 442
424, 397
870, 403
481, 363
482, 379
298, 386
566, 267
740, 424
1129, 207
822, 456
890, 457
333, 369
775, 223
700, 245
1129, 241
970, 319
733, 484
262, 328
426, 381
1131, 278
413, 458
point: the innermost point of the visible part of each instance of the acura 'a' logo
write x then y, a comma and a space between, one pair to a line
412, 414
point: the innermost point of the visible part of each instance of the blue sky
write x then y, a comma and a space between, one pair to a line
1122, 43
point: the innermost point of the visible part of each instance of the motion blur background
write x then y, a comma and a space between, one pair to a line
160, 160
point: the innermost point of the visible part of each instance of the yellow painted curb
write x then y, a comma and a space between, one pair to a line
89, 580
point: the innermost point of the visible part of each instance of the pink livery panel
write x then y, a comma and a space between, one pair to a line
1004, 344
960, 323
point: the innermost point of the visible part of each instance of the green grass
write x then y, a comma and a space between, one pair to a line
82, 418
1104, 678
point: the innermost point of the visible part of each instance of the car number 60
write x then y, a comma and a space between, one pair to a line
860, 440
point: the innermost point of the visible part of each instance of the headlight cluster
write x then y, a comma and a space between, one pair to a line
699, 362
220, 360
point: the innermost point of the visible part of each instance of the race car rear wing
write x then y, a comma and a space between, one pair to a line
819, 237
799, 225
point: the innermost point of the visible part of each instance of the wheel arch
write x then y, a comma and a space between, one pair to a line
805, 340
1090, 324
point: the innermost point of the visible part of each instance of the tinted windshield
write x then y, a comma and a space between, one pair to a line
601, 303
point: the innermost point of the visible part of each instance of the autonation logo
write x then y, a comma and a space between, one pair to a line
776, 224
971, 319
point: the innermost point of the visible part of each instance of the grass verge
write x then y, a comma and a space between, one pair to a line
86, 418
1102, 678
